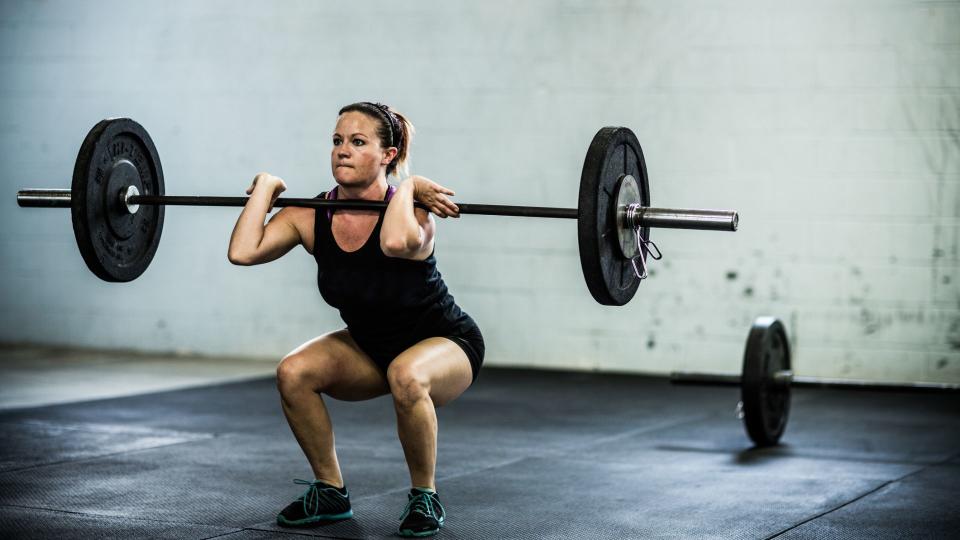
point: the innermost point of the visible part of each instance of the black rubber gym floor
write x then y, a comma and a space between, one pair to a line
523, 454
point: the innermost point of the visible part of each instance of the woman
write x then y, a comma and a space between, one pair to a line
404, 336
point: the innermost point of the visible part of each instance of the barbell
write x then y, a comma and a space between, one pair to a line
117, 201
766, 378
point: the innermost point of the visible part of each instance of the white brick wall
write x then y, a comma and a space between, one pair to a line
833, 127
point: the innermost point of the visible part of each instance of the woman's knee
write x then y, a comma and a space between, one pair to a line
407, 384
299, 372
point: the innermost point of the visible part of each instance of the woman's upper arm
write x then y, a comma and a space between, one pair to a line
280, 235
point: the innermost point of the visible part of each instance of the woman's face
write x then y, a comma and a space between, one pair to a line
357, 158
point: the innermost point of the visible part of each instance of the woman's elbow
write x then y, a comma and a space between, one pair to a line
239, 259
399, 246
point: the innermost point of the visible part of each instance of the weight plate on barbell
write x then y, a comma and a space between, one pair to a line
115, 244
614, 153
766, 403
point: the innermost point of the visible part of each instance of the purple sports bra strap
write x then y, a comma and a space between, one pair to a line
331, 195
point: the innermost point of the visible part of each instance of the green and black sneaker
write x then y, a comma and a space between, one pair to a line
320, 503
423, 515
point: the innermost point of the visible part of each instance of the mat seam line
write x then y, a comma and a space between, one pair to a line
629, 433
862, 496
108, 516
221, 535
560, 452
112, 454
771, 453
90, 427
831, 510
234, 529
82, 401
295, 533
253, 528
497, 465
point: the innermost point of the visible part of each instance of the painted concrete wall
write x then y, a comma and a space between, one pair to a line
833, 127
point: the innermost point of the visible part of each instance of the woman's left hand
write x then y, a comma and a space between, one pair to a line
434, 196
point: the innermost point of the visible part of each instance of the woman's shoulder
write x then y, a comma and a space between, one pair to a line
299, 213
300, 218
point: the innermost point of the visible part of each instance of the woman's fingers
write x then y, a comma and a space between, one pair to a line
452, 208
436, 198
438, 208
447, 207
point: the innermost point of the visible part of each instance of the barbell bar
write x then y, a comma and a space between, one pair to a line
788, 378
117, 200
766, 378
662, 218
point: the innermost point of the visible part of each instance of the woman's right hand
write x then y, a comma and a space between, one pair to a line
273, 185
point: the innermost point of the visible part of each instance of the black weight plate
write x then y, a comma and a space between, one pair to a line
613, 153
116, 245
766, 404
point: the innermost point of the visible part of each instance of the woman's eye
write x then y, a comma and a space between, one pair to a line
337, 141
358, 142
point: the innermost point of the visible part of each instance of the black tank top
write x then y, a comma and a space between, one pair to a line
388, 303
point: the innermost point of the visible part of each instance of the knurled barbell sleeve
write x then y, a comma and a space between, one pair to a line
44, 198
685, 218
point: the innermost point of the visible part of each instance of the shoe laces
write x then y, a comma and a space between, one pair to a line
422, 502
312, 496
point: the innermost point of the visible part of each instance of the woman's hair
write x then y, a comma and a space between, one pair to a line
394, 130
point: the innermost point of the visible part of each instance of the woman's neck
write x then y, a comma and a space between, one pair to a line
375, 191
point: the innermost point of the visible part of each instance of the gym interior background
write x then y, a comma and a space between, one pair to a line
832, 127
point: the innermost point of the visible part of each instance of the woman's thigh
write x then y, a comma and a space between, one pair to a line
436, 362
334, 364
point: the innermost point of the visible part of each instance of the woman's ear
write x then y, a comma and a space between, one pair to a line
389, 155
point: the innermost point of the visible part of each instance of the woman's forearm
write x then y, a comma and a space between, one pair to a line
401, 231
248, 232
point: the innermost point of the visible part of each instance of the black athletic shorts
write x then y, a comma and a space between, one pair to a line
469, 339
